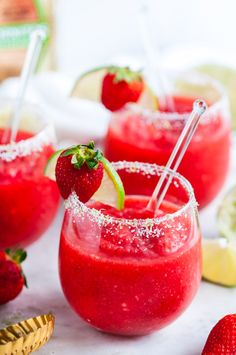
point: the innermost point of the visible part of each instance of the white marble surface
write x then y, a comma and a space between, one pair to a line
184, 337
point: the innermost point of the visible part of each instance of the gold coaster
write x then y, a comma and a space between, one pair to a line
27, 336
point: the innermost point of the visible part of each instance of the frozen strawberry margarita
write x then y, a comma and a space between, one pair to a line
123, 268
29, 200
136, 134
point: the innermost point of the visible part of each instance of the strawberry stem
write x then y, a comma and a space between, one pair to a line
18, 255
125, 74
84, 154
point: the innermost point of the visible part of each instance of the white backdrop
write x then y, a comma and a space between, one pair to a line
91, 32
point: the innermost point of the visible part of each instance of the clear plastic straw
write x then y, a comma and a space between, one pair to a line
199, 107
32, 55
156, 76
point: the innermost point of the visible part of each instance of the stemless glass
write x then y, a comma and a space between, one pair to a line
142, 135
28, 199
132, 275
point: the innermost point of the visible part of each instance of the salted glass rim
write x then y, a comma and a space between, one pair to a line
76, 206
45, 136
175, 116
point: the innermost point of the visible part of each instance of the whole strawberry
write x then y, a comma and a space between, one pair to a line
120, 86
222, 338
12, 278
79, 169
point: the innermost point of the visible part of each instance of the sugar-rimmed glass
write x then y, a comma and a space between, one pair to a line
126, 275
28, 199
138, 134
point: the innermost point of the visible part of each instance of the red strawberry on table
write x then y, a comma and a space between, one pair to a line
79, 169
222, 338
120, 86
12, 278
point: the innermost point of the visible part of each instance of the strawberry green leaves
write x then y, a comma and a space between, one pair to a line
124, 74
18, 255
84, 154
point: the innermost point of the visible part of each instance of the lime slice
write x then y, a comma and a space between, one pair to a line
147, 99
197, 88
219, 261
111, 190
227, 77
50, 168
89, 86
226, 217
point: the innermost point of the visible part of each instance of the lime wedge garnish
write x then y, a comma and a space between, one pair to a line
147, 99
89, 86
195, 88
227, 77
219, 261
50, 168
111, 190
219, 255
226, 217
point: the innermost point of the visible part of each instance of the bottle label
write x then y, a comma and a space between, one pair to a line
18, 18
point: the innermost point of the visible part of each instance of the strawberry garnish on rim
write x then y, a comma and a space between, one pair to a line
79, 169
222, 338
85, 171
121, 85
